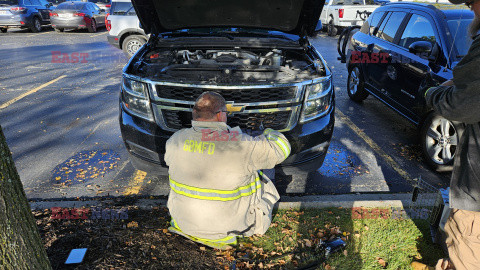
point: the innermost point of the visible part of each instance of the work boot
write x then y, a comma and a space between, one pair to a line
444, 264
421, 266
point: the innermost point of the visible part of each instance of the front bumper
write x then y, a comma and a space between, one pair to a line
145, 141
114, 40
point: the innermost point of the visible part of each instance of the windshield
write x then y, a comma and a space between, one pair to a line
8, 2
459, 30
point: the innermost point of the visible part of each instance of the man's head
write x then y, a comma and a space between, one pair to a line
211, 107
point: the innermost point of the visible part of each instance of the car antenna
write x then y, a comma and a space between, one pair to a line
453, 42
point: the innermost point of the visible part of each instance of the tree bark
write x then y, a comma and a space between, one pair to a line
20, 244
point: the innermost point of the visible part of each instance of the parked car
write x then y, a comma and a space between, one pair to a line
257, 56
31, 14
123, 28
77, 15
400, 49
337, 14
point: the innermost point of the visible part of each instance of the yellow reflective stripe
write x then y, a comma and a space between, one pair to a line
280, 142
215, 195
219, 191
225, 239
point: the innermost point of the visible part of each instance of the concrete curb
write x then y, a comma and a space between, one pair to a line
286, 202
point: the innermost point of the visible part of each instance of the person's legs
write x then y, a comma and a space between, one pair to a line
463, 241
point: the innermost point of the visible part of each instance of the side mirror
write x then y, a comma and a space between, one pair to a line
421, 48
319, 26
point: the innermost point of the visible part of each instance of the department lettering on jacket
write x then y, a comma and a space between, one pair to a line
199, 147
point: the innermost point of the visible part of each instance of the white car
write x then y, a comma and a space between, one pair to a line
123, 27
337, 14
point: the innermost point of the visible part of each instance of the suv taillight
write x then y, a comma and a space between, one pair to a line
108, 23
18, 9
340, 13
79, 14
108, 6
53, 14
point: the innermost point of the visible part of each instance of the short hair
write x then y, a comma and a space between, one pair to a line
207, 105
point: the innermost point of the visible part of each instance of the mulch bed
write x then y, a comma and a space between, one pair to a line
139, 242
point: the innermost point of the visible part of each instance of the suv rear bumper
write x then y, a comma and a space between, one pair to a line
145, 142
114, 40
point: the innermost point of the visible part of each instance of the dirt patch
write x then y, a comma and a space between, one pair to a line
139, 242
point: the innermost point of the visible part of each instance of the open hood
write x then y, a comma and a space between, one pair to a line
298, 17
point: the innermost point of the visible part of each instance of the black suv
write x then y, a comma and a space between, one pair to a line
256, 55
30, 14
399, 50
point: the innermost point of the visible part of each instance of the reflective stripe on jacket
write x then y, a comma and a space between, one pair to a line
216, 192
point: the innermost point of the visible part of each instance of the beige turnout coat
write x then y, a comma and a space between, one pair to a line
216, 190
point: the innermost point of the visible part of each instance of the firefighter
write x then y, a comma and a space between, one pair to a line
217, 189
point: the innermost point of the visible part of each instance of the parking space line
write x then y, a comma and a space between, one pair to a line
135, 184
10, 102
98, 34
38, 34
374, 146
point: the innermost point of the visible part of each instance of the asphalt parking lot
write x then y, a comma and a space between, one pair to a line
59, 112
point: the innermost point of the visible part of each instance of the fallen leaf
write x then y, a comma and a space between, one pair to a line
381, 261
308, 243
132, 224
345, 252
202, 248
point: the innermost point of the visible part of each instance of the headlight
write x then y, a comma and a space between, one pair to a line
135, 98
318, 100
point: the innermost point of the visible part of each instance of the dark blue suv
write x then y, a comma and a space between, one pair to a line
399, 50
32, 14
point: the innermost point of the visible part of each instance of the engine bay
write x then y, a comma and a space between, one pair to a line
229, 65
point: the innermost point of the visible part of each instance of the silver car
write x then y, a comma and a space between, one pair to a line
123, 28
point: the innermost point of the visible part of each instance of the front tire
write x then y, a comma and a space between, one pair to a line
36, 25
4, 30
439, 138
355, 85
331, 29
131, 44
59, 30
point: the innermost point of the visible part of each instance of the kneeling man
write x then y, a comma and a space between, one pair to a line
217, 189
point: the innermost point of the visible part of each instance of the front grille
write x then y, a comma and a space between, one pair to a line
246, 121
239, 95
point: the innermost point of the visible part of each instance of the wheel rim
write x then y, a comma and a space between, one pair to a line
441, 141
37, 24
133, 46
354, 81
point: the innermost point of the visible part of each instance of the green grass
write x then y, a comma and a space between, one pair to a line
291, 240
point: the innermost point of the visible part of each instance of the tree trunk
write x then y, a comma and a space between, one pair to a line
20, 244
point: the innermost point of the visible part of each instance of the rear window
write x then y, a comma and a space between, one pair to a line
122, 8
71, 6
372, 22
391, 27
9, 2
